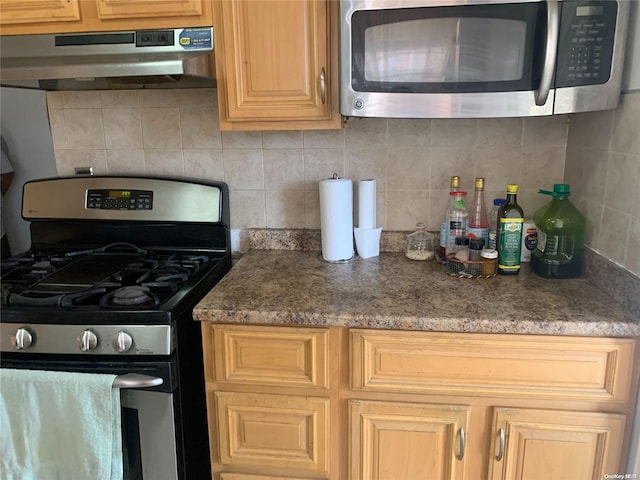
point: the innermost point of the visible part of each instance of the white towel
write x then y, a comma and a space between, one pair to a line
59, 426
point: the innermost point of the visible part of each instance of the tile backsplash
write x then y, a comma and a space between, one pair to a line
603, 169
273, 176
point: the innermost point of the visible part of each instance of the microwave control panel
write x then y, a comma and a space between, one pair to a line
585, 50
115, 199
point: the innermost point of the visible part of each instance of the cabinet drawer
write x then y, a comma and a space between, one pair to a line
275, 356
273, 431
579, 368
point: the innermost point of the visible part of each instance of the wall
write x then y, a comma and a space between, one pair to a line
273, 176
603, 169
25, 128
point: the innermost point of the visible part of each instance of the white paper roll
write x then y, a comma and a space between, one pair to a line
336, 219
367, 204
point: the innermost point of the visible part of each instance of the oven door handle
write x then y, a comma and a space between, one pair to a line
135, 380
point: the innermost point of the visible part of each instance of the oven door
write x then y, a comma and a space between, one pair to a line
148, 435
448, 58
148, 391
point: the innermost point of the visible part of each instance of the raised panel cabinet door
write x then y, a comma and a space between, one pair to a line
533, 444
38, 11
108, 9
274, 356
275, 57
407, 441
282, 432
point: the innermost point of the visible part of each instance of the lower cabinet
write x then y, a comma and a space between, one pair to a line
290, 403
391, 440
533, 444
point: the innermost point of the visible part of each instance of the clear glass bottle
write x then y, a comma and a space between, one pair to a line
454, 186
493, 221
478, 220
509, 240
420, 245
457, 221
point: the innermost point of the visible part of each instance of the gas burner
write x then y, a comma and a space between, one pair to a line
130, 296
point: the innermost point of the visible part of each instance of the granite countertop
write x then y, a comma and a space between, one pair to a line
290, 287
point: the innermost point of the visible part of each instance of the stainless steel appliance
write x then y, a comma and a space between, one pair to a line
138, 53
480, 58
115, 268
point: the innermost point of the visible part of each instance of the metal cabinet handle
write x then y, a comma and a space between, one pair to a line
501, 446
462, 440
323, 93
550, 54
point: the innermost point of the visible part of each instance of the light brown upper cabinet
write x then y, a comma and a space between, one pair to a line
21, 17
276, 64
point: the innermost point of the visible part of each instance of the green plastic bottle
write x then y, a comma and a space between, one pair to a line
560, 249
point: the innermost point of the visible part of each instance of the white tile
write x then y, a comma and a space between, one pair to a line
285, 209
122, 128
243, 169
161, 128
164, 162
200, 128
207, 164
281, 140
283, 169
129, 162
247, 208
84, 128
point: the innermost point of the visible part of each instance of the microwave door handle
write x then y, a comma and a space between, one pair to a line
550, 52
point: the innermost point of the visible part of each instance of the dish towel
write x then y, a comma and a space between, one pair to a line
59, 426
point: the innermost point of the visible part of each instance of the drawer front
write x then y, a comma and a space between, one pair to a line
275, 356
579, 368
273, 431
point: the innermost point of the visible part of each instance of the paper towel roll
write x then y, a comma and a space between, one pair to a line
336, 219
367, 204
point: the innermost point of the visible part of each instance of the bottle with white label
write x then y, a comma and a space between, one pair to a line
442, 251
457, 221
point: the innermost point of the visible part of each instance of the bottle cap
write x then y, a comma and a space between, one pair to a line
489, 253
560, 190
455, 182
479, 183
476, 243
498, 202
512, 188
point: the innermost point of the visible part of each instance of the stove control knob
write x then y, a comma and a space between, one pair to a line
87, 341
22, 338
122, 341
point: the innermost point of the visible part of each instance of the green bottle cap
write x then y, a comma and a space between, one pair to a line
560, 190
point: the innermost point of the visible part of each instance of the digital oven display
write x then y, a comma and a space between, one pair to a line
120, 199
119, 193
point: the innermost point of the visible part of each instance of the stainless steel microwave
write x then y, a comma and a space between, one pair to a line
480, 58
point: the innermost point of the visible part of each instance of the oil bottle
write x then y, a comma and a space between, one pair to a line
509, 235
559, 252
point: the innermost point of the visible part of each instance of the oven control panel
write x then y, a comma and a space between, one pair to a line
120, 199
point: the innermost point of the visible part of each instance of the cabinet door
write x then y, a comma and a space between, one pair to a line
16, 12
108, 9
283, 432
274, 64
536, 444
406, 441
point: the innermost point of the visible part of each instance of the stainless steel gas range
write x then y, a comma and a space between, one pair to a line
115, 268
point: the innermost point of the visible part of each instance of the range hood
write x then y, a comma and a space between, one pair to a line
144, 53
